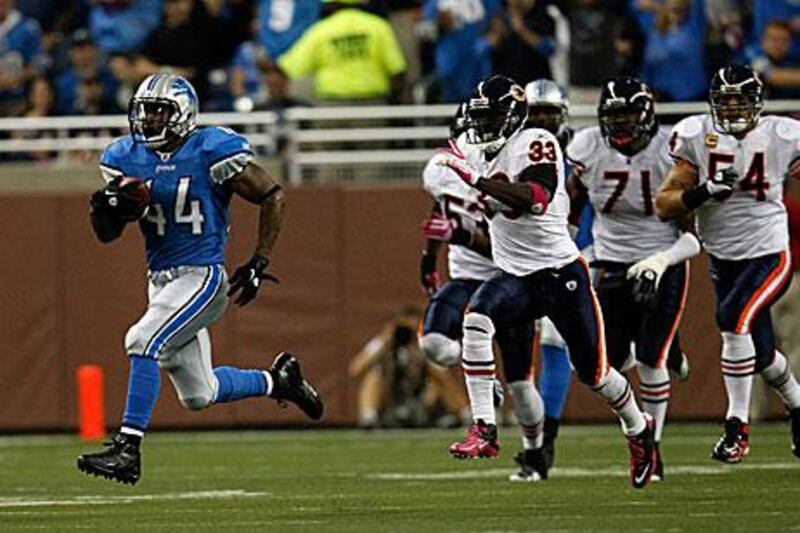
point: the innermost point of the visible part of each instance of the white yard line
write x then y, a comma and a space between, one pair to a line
570, 472
21, 501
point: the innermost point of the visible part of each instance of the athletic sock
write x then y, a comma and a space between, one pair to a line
617, 392
738, 364
555, 380
779, 376
236, 384
144, 384
655, 391
478, 364
529, 409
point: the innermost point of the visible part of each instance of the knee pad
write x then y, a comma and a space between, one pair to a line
441, 349
737, 346
197, 403
549, 335
528, 404
135, 340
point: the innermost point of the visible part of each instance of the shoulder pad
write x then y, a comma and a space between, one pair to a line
214, 138
786, 128
433, 176
584, 144
690, 126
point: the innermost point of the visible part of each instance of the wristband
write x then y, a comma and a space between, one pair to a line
694, 198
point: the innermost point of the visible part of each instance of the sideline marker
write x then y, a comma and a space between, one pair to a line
91, 416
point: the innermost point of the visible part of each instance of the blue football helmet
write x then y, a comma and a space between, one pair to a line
163, 109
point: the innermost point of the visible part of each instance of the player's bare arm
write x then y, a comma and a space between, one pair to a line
670, 202
578, 197
257, 187
536, 186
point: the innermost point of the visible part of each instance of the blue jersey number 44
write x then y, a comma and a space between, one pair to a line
192, 215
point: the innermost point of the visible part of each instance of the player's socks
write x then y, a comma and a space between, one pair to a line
236, 384
529, 409
738, 365
654, 387
441, 349
478, 364
144, 384
555, 380
617, 392
779, 376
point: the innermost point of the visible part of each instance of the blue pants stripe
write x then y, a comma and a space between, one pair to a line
195, 306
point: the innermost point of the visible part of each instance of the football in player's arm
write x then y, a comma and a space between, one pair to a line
186, 178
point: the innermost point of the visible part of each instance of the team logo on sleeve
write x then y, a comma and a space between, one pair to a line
711, 140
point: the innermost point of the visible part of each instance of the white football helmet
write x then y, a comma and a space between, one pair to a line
163, 108
548, 107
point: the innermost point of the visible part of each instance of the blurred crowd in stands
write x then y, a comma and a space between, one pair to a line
85, 57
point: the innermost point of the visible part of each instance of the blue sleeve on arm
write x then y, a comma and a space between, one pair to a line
546, 46
222, 143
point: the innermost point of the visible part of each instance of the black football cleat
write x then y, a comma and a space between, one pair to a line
643, 454
734, 444
120, 461
794, 420
532, 466
288, 385
549, 445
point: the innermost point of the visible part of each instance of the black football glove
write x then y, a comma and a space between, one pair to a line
119, 200
247, 278
720, 186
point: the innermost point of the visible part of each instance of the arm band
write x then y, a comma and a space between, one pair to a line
694, 198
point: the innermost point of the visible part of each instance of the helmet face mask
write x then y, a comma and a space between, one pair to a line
162, 111
548, 117
627, 115
621, 126
548, 107
495, 112
736, 99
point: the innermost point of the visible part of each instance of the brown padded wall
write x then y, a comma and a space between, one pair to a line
347, 259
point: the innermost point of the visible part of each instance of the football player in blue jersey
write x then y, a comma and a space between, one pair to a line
191, 174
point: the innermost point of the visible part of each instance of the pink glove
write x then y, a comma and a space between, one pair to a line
437, 228
794, 169
462, 169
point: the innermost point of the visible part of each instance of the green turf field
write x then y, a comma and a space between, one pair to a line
397, 480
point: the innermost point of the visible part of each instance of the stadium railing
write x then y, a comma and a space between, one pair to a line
314, 143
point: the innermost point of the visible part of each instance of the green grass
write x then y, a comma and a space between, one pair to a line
397, 480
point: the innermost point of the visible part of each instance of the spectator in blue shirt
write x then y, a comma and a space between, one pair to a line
674, 58
85, 88
21, 57
122, 26
781, 75
282, 22
765, 11
247, 76
462, 55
